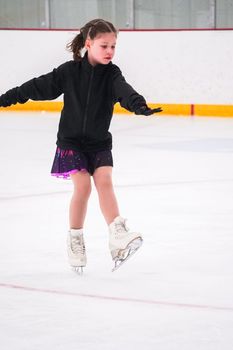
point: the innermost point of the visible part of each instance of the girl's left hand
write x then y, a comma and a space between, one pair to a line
145, 110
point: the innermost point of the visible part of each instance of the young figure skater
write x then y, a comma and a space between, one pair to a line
91, 85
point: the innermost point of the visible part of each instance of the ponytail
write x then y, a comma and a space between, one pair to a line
76, 46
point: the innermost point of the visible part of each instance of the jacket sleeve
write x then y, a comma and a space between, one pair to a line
124, 93
46, 87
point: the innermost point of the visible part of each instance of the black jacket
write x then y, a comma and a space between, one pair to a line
89, 97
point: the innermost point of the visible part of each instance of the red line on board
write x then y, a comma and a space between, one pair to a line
192, 110
124, 29
120, 299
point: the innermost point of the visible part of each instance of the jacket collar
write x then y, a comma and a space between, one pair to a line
99, 68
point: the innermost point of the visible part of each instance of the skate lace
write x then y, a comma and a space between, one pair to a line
77, 245
121, 227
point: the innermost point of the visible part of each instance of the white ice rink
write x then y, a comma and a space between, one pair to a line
174, 182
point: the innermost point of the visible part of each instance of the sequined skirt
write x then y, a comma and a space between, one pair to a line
67, 162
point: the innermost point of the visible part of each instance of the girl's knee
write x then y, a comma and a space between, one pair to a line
82, 185
103, 181
82, 191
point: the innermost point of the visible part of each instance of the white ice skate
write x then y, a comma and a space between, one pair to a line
76, 250
122, 243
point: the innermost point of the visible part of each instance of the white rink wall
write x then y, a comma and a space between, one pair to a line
165, 66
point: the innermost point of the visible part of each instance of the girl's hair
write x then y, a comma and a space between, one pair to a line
90, 30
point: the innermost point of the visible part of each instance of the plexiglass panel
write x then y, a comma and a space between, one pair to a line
133, 14
174, 14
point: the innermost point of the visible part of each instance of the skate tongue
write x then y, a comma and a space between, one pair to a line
119, 219
76, 232
120, 223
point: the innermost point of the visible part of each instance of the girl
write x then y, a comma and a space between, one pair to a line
91, 85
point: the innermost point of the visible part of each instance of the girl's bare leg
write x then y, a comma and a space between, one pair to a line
78, 205
107, 199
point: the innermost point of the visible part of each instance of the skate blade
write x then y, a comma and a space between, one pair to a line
78, 270
127, 253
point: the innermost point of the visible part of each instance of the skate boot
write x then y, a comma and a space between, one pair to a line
76, 250
122, 243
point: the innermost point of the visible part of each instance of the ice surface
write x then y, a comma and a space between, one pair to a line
174, 182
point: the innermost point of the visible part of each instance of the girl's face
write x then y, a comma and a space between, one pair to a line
101, 49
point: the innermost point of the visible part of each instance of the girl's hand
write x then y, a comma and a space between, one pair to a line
145, 110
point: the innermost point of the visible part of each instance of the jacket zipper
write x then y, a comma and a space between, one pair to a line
87, 103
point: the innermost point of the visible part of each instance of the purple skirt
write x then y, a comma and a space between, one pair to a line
67, 162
